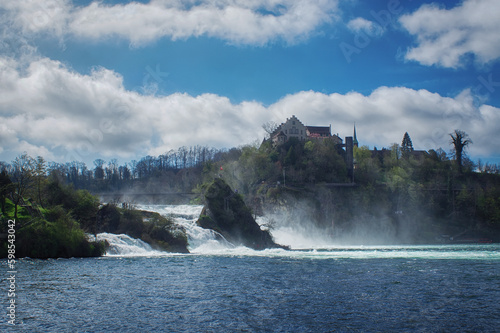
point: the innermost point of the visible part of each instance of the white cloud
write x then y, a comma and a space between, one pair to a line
244, 22
47, 105
47, 109
33, 16
388, 112
361, 25
446, 37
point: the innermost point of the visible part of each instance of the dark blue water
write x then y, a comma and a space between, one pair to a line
298, 291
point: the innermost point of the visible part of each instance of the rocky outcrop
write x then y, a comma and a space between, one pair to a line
226, 213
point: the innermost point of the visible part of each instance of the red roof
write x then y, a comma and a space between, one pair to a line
315, 131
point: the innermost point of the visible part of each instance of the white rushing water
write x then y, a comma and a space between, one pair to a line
305, 243
200, 240
204, 241
126, 246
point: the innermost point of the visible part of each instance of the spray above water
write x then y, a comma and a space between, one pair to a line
305, 240
296, 236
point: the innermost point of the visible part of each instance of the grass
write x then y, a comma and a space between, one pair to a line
22, 213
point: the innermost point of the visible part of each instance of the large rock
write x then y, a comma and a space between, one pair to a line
226, 212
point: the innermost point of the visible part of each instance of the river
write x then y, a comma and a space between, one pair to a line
222, 288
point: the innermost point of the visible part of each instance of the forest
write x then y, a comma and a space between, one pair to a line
397, 193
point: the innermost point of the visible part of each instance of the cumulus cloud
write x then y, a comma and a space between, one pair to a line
34, 16
388, 112
47, 109
55, 109
361, 25
446, 37
247, 22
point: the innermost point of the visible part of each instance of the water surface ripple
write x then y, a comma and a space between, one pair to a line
422, 289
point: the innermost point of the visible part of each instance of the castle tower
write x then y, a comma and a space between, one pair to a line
355, 139
349, 156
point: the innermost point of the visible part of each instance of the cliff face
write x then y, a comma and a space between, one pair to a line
226, 213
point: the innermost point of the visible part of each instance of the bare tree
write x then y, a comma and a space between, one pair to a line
460, 141
40, 172
23, 178
269, 127
99, 170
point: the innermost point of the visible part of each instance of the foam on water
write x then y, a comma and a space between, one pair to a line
316, 245
449, 252
200, 240
463, 252
265, 291
125, 246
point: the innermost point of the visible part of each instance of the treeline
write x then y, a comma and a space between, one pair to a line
414, 195
142, 174
49, 217
427, 190
293, 163
52, 219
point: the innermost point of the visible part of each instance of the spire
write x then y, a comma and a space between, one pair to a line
355, 139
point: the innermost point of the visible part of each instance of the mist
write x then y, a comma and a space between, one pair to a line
307, 223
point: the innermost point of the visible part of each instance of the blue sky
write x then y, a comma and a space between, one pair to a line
82, 80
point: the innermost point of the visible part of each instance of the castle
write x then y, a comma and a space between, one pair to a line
294, 128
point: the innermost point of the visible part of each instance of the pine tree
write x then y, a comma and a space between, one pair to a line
406, 145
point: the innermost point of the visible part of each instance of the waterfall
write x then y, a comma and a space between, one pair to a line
206, 241
124, 245
200, 240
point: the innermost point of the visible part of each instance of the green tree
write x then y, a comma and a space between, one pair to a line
86, 210
406, 146
396, 154
6, 187
367, 169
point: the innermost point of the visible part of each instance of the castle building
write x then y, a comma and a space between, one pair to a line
294, 128
291, 128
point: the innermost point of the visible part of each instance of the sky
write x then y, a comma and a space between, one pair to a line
82, 80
